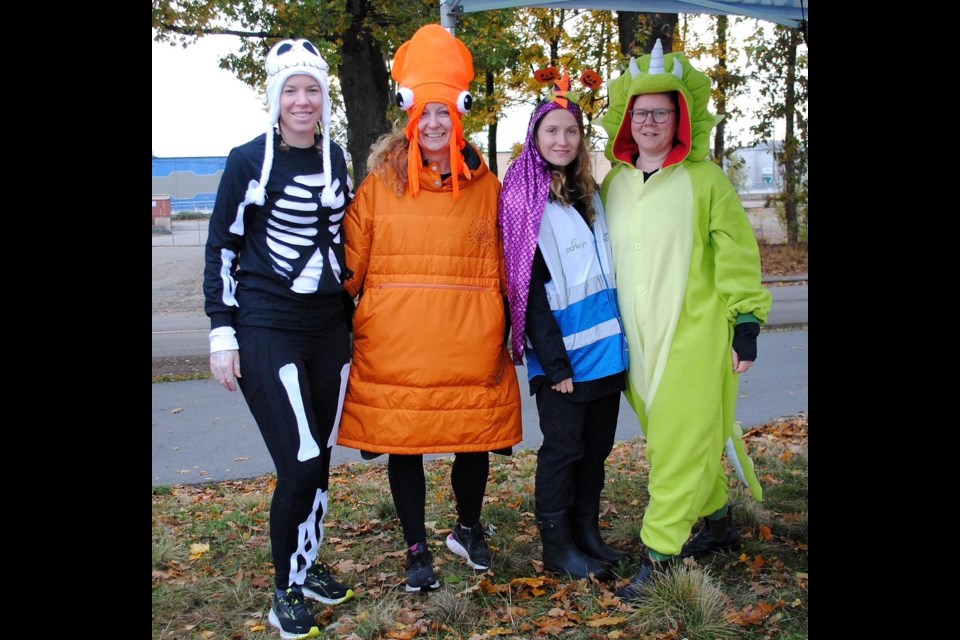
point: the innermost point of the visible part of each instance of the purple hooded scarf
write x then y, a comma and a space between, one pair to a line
526, 188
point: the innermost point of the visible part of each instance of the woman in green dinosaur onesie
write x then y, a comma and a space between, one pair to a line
688, 272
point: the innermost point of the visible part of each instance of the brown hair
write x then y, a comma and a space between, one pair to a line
574, 184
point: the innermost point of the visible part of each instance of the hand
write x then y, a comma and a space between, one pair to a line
745, 345
564, 386
225, 367
740, 366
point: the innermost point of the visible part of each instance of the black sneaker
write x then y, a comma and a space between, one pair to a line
470, 544
420, 575
321, 585
291, 616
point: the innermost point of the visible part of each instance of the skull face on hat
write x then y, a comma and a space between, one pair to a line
289, 58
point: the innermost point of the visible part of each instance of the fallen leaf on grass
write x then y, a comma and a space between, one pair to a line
750, 615
409, 616
349, 566
197, 550
608, 600
606, 621
765, 533
511, 613
756, 564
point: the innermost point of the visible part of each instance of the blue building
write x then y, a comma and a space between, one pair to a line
191, 183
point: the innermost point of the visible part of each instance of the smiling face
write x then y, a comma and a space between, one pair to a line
558, 137
654, 139
435, 127
301, 107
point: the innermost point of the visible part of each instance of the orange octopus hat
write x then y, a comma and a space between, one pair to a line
433, 66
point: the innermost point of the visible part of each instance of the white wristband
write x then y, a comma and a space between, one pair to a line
223, 339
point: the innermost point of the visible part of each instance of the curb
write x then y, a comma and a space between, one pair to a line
802, 277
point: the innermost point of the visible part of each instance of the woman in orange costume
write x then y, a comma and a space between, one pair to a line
431, 371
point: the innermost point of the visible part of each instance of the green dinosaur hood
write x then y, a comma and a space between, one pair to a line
658, 73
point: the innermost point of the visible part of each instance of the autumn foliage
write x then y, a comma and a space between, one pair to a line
212, 575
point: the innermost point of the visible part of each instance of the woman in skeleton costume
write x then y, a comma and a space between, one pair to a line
272, 288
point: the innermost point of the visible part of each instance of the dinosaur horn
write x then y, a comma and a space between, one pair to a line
656, 58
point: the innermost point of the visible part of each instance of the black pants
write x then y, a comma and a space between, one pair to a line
577, 438
408, 485
294, 384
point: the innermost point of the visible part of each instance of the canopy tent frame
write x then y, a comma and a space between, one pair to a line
790, 13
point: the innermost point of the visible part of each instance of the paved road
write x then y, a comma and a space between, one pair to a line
185, 332
203, 433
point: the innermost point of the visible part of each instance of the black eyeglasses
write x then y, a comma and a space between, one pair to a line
639, 116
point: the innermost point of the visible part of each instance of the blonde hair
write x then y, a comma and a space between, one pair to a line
388, 159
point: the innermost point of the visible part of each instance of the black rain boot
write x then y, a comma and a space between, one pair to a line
586, 532
715, 535
560, 554
632, 592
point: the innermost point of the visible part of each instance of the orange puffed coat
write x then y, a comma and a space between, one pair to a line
431, 372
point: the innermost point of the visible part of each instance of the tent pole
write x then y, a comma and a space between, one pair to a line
450, 12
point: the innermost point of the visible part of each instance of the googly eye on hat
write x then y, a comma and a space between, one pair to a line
434, 66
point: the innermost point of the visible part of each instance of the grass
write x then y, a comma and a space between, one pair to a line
182, 377
213, 578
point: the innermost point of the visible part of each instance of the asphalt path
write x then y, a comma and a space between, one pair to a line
203, 433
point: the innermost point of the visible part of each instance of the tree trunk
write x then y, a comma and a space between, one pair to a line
628, 23
491, 131
721, 84
639, 31
365, 84
662, 27
790, 147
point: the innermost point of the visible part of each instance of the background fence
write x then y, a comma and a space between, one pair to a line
192, 233
182, 233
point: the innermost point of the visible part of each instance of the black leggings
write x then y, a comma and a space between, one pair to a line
294, 385
408, 485
577, 438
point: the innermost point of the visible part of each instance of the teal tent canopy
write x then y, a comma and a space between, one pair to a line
790, 13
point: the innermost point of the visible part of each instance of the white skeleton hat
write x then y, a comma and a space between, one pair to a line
288, 58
